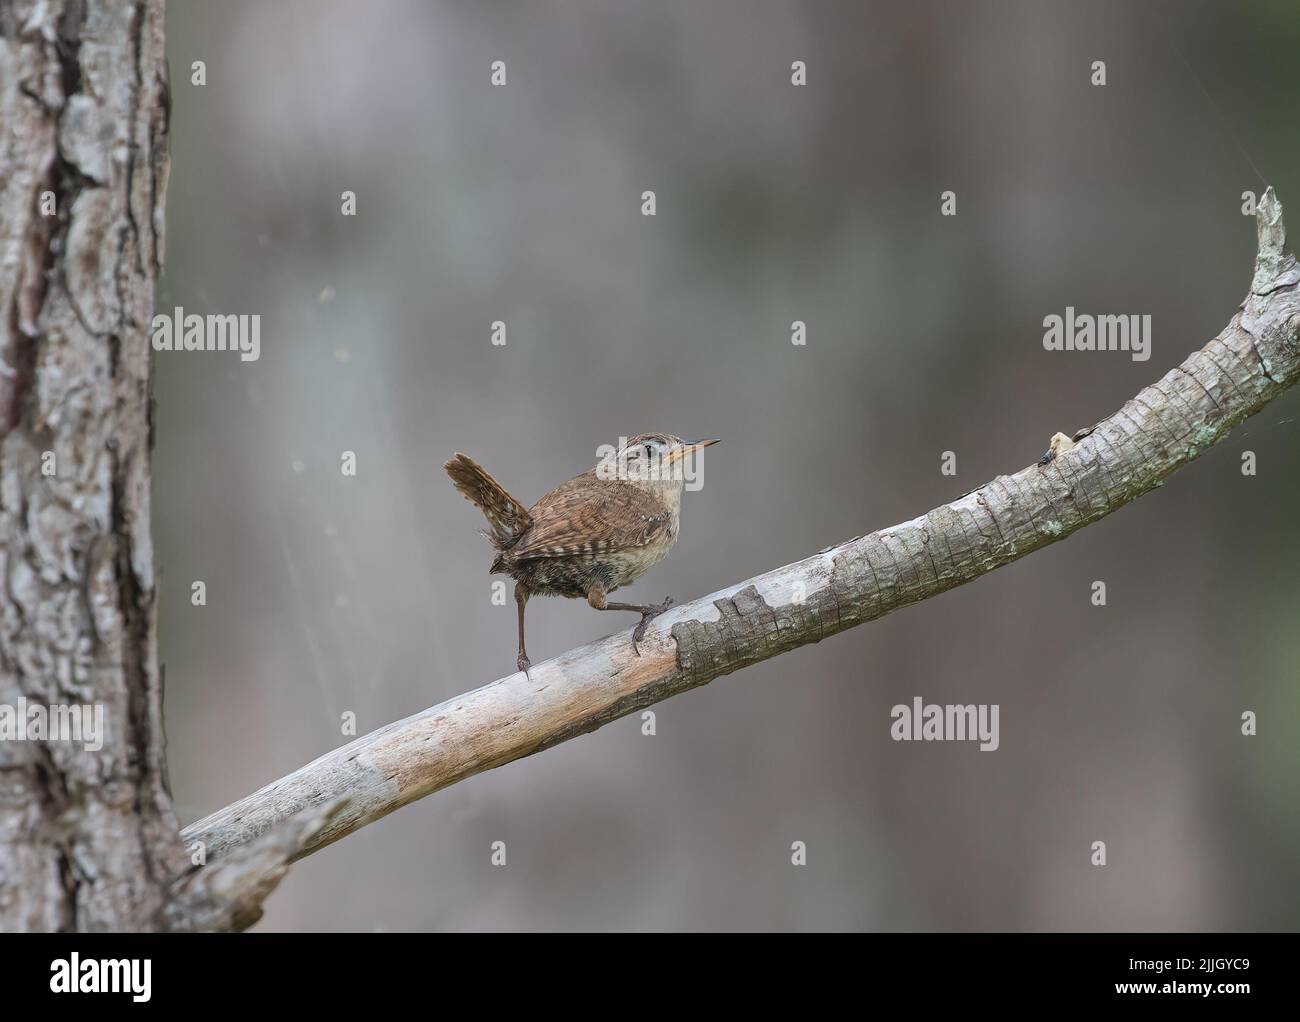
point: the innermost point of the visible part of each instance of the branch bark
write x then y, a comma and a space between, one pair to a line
1254, 359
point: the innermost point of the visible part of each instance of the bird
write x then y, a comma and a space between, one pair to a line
588, 537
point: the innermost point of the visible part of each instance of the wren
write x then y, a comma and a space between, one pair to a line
587, 537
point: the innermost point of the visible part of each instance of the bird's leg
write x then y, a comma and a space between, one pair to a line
521, 597
596, 597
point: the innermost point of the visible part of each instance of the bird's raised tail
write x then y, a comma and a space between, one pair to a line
507, 517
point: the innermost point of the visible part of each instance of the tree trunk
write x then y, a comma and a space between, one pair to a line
88, 839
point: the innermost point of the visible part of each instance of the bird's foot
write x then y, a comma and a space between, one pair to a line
653, 611
523, 663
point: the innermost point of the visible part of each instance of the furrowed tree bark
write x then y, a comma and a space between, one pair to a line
1168, 424
88, 839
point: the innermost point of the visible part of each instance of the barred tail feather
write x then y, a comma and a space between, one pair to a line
507, 518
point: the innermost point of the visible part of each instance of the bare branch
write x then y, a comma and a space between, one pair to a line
1168, 424
228, 895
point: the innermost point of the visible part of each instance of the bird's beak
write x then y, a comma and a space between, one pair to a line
687, 447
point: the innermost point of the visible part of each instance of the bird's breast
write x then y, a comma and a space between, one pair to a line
631, 563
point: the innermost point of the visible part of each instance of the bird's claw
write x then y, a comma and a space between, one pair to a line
638, 633
523, 663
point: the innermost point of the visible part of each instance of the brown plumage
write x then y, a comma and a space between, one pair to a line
507, 517
591, 535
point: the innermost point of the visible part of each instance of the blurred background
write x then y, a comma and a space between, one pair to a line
328, 594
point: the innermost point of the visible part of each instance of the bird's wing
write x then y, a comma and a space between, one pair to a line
585, 516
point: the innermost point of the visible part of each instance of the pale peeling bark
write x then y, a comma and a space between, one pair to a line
228, 895
1165, 426
88, 839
